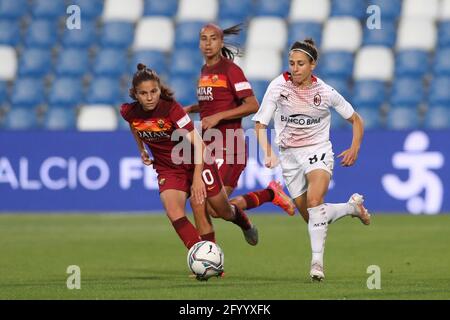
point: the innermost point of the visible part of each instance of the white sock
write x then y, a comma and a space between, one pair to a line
335, 211
317, 227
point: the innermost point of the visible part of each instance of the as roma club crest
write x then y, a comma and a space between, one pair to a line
161, 123
317, 100
214, 78
162, 181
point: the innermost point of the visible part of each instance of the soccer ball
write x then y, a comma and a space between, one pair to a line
205, 259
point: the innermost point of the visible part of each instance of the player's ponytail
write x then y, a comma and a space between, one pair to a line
231, 50
308, 47
144, 74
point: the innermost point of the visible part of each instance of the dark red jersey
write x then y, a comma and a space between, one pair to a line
222, 87
155, 129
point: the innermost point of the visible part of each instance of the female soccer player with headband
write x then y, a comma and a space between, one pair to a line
299, 103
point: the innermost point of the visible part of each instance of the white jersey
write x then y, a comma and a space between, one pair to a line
301, 115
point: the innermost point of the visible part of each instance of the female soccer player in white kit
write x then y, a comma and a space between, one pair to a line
299, 103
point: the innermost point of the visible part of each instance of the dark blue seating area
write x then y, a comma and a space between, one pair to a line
59, 70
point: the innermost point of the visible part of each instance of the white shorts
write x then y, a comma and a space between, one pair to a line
296, 163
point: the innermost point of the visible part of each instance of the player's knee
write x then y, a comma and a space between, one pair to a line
212, 213
312, 202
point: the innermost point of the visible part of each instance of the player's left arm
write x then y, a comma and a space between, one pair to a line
249, 106
198, 188
350, 155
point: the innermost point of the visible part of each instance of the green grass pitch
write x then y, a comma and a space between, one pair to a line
140, 257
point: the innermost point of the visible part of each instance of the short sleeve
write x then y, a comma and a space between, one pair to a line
180, 118
125, 111
240, 86
267, 108
342, 106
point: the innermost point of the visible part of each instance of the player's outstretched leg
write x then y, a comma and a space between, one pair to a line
273, 193
281, 199
353, 207
357, 200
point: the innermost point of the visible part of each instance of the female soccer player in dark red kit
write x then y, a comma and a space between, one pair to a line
153, 118
224, 97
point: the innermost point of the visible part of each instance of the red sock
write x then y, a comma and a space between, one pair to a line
241, 219
257, 198
186, 231
209, 237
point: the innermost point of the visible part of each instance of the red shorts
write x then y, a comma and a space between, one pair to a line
231, 171
183, 180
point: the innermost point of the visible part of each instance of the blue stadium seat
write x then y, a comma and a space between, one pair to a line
437, 117
370, 116
110, 62
369, 94
185, 89
20, 118
117, 34
57, 118
187, 34
156, 60
407, 92
441, 65
299, 31
166, 8
402, 118
186, 62
235, 9
9, 32
279, 8
28, 92
42, 33
336, 64
386, 36
444, 34
352, 8
439, 92
35, 62
48, 9
104, 90
90, 9
341, 85
66, 92
259, 89
390, 9
411, 63
72, 62
81, 38
3, 93
13, 9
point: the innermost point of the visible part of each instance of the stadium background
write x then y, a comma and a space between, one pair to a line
64, 147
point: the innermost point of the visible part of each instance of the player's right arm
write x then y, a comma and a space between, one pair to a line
262, 119
141, 146
270, 158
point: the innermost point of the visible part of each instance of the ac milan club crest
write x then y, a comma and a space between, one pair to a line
317, 99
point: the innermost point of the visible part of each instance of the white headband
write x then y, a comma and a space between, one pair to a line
298, 49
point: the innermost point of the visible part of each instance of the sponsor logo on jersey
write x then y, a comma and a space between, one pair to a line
300, 119
154, 129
